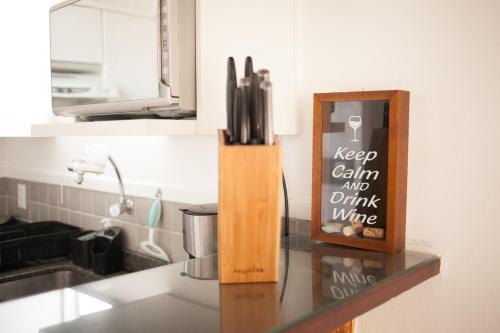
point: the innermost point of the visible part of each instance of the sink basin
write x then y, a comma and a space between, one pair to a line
42, 281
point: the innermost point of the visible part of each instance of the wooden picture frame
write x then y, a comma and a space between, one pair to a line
396, 119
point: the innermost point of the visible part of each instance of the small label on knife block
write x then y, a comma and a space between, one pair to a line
249, 212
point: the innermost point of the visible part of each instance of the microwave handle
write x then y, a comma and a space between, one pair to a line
169, 46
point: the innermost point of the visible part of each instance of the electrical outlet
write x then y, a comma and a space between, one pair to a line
21, 196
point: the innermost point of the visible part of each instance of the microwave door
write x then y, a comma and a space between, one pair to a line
169, 40
178, 51
141, 52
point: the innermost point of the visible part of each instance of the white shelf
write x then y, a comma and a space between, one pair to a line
136, 127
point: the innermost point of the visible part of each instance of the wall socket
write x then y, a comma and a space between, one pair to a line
21, 196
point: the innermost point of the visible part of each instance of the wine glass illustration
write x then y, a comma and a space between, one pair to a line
355, 123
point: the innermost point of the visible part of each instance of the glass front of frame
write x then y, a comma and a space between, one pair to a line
355, 168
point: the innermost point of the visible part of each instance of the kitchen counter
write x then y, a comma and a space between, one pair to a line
321, 287
34, 277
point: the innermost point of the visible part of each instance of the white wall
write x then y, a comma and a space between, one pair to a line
24, 66
446, 53
185, 168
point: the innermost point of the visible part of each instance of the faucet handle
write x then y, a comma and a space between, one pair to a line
124, 206
116, 210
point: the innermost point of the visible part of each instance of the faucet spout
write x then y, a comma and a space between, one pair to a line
125, 205
79, 179
77, 166
83, 165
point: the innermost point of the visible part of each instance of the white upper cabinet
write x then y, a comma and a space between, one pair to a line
267, 30
83, 43
263, 29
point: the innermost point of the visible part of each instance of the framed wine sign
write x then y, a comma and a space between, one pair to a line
360, 157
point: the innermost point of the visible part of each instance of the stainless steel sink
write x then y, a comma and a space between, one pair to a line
41, 276
43, 281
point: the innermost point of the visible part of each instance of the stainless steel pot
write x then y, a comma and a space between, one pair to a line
199, 228
202, 268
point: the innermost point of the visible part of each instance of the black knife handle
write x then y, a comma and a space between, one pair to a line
231, 86
231, 69
249, 67
237, 108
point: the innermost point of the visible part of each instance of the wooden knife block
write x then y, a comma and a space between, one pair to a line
249, 212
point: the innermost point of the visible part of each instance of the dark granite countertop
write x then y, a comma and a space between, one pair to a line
72, 275
321, 287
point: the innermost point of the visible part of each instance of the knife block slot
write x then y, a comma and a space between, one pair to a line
249, 225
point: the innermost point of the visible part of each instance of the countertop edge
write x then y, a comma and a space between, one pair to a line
358, 305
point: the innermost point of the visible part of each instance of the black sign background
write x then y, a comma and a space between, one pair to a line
355, 162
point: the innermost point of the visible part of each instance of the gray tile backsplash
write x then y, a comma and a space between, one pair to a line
72, 198
301, 227
3, 187
3, 205
11, 190
173, 218
41, 193
130, 236
85, 209
53, 195
43, 213
86, 201
100, 204
141, 208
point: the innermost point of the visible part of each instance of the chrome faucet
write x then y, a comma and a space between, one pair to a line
94, 161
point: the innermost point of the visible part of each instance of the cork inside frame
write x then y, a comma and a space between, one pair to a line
396, 177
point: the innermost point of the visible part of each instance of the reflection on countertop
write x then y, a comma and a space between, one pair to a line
316, 279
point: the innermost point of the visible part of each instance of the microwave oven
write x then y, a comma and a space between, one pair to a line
123, 58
